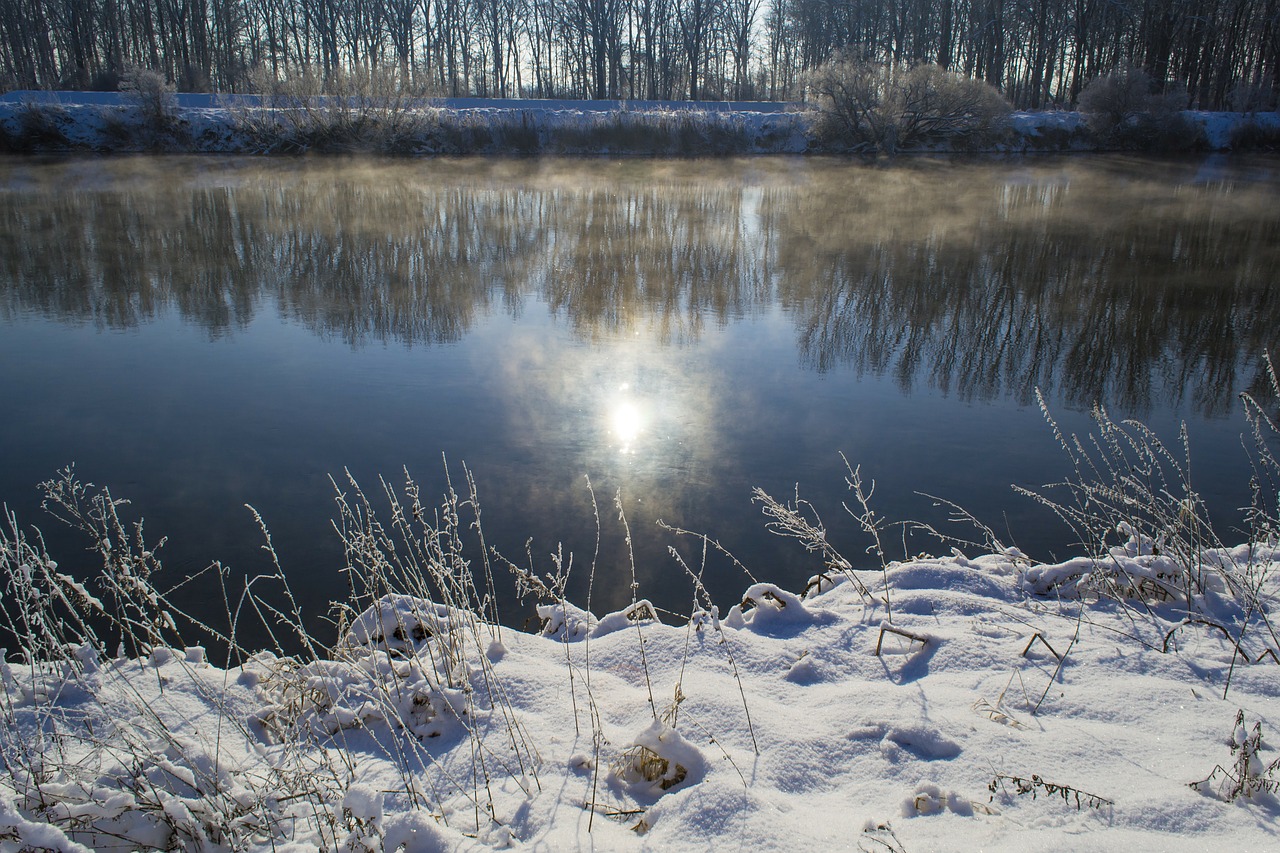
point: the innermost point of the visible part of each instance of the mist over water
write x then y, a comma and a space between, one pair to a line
200, 333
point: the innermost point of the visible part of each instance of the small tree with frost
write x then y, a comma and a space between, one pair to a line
853, 97
1124, 109
873, 107
935, 103
1113, 100
149, 118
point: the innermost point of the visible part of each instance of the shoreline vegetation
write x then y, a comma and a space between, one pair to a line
912, 704
855, 108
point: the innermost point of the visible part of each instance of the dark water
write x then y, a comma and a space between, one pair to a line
199, 334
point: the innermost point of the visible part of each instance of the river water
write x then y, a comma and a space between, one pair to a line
203, 333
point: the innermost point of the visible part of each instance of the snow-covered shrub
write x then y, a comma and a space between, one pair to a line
1124, 110
765, 606
150, 118
1149, 538
90, 752
98, 746
872, 107
1250, 773
150, 93
853, 97
937, 104
1117, 98
380, 110
40, 127
660, 759
1253, 96
1254, 135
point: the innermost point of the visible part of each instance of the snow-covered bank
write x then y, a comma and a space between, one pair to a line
998, 715
41, 121
62, 121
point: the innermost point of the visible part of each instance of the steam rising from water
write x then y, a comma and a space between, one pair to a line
980, 280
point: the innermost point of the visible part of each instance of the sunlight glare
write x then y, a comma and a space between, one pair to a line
626, 422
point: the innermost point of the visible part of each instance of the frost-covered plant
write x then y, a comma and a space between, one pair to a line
1253, 96
937, 103
151, 117
1124, 109
873, 107
87, 751
1253, 135
135, 609
1120, 96
1149, 539
1249, 774
705, 614
151, 94
424, 650
1132, 504
379, 109
799, 520
660, 757
41, 127
90, 749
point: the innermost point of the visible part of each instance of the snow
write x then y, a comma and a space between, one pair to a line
1218, 126
1011, 707
213, 123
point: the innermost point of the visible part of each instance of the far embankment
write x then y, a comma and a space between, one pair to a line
140, 121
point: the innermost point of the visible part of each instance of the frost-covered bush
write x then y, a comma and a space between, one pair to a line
936, 103
150, 93
98, 691
871, 107
40, 127
1124, 110
1150, 540
1253, 135
1117, 98
379, 109
151, 114
853, 97
1253, 96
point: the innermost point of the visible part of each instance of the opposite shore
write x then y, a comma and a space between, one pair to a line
115, 122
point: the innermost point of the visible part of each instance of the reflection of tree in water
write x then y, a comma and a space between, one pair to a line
979, 280
369, 256
119, 259
1087, 284
658, 258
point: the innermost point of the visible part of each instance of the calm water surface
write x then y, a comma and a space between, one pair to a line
199, 334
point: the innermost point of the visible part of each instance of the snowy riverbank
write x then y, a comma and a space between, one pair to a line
110, 122
998, 714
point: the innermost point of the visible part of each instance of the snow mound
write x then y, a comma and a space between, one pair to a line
662, 760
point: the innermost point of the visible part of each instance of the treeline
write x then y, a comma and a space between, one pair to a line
1212, 54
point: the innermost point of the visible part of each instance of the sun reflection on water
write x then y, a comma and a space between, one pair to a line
627, 419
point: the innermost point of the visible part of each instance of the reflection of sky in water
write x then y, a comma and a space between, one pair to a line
677, 347
625, 404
